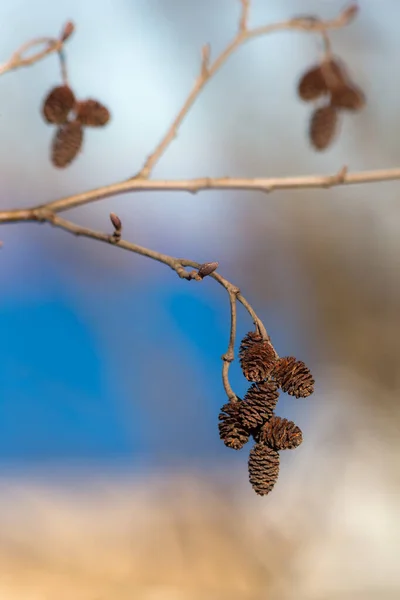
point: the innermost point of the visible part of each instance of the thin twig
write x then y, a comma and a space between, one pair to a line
243, 35
51, 45
260, 184
177, 264
229, 355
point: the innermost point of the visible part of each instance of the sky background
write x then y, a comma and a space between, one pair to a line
106, 356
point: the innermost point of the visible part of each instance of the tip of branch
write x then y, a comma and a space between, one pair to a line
67, 31
350, 12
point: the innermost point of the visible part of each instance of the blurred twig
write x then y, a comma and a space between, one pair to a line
50, 45
207, 71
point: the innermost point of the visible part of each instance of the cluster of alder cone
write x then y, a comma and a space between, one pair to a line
71, 116
253, 416
329, 84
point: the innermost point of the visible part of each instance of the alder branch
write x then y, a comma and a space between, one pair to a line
48, 212
259, 184
51, 45
178, 265
244, 34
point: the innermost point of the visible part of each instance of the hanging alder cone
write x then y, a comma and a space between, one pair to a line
231, 430
293, 377
91, 113
58, 104
67, 142
280, 434
312, 84
348, 97
259, 403
263, 468
334, 73
257, 357
323, 126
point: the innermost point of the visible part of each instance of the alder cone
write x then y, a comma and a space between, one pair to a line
259, 404
257, 357
348, 97
231, 430
263, 468
67, 142
334, 73
293, 377
92, 113
312, 84
58, 104
281, 434
323, 126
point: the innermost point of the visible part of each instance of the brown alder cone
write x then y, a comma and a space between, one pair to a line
280, 434
58, 104
334, 73
91, 113
293, 377
259, 404
67, 142
312, 84
231, 430
257, 357
348, 97
323, 126
263, 468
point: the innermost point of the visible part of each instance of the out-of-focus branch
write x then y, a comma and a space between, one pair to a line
48, 46
244, 34
259, 184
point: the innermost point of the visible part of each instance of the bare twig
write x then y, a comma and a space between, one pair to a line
243, 35
49, 46
259, 184
229, 355
178, 265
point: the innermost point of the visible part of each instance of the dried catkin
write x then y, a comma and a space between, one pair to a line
263, 468
293, 377
58, 104
259, 403
257, 357
66, 144
280, 434
231, 430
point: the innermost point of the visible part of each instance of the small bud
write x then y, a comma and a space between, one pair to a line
67, 31
116, 222
207, 268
